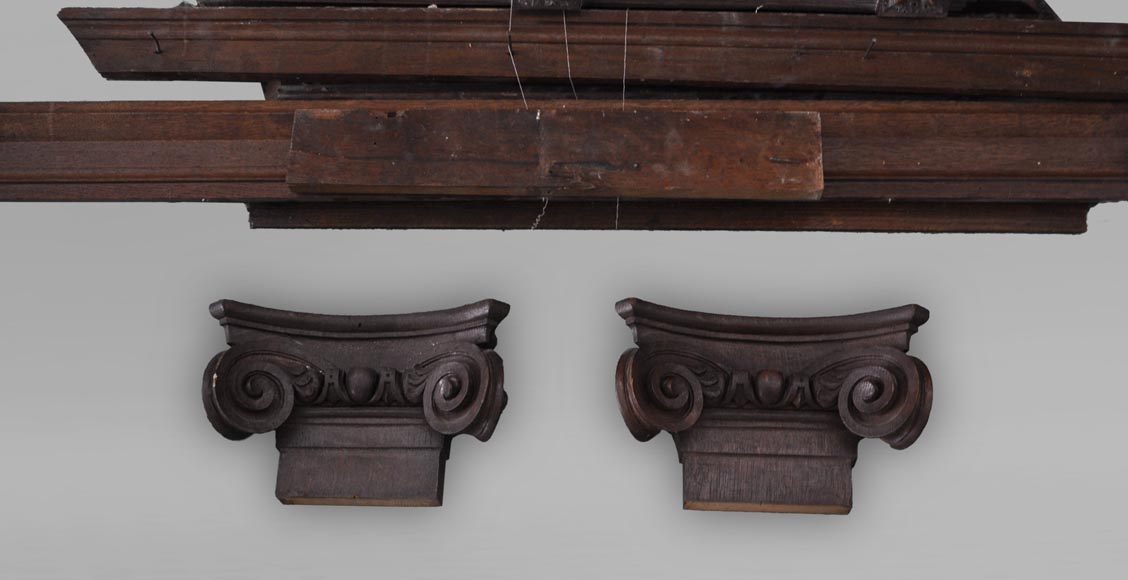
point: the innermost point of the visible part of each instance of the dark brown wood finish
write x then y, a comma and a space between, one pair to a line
738, 50
880, 216
914, 8
888, 165
734, 154
567, 149
925, 8
767, 412
554, 5
365, 407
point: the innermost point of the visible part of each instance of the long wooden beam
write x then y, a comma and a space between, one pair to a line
548, 214
872, 150
843, 6
737, 50
136, 151
1026, 8
888, 166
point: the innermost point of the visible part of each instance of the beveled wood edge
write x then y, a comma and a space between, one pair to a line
821, 216
711, 326
767, 508
258, 134
924, 38
341, 502
485, 314
1038, 8
468, 15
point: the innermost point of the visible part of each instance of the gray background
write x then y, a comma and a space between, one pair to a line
108, 468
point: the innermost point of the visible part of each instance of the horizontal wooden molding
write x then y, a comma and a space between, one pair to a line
737, 50
364, 406
887, 166
829, 216
767, 412
909, 8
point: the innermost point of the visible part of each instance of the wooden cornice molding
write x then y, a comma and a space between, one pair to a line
414, 117
664, 48
767, 413
910, 8
921, 165
364, 407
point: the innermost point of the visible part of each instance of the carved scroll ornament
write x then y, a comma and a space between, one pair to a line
772, 400
364, 406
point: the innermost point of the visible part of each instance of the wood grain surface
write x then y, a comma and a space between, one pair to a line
732, 154
737, 50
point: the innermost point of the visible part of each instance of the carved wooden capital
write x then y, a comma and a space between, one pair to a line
767, 412
364, 406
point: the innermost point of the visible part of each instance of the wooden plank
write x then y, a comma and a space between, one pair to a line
832, 216
836, 6
872, 150
736, 50
143, 151
732, 154
1023, 8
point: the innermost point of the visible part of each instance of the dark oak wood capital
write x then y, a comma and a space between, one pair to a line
767, 412
364, 406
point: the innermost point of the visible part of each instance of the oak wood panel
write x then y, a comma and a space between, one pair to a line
663, 48
687, 154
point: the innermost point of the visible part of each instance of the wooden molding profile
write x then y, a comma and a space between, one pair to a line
767, 413
919, 165
900, 8
364, 407
664, 48
955, 116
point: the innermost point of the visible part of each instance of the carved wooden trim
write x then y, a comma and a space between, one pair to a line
364, 406
997, 8
767, 412
734, 50
888, 166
